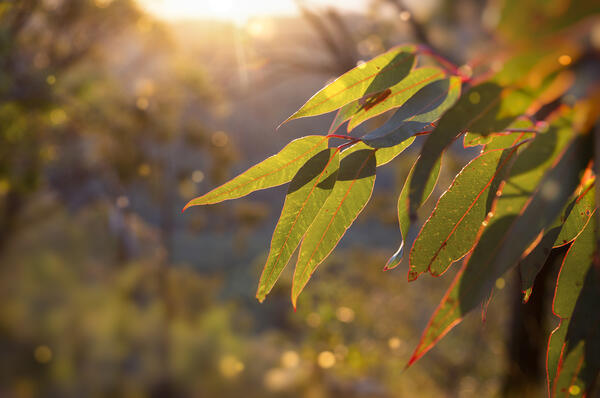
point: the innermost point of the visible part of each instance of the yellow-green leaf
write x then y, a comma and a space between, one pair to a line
370, 77
350, 194
573, 359
565, 229
307, 192
396, 95
529, 167
403, 217
276, 170
417, 114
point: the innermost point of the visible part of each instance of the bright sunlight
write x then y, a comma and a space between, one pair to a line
232, 10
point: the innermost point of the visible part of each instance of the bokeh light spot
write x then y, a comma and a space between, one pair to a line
144, 170
42, 354
326, 359
197, 176
290, 359
474, 97
230, 366
394, 343
142, 103
122, 202
313, 320
219, 139
345, 314
564, 60
500, 283
405, 16
58, 116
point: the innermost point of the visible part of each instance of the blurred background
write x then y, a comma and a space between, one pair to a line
115, 113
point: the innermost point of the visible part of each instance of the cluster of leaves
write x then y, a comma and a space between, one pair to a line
531, 188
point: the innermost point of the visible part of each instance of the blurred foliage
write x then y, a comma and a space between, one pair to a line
112, 120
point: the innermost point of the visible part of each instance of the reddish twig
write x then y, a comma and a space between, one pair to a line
343, 137
347, 144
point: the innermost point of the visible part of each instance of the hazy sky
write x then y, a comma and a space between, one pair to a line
236, 10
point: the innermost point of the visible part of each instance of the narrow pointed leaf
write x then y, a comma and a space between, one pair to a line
350, 194
382, 155
403, 218
417, 114
307, 192
343, 115
447, 315
571, 222
578, 216
486, 108
526, 172
573, 359
450, 231
540, 212
396, 95
371, 77
501, 140
276, 170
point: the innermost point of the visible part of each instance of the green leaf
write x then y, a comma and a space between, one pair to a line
271, 172
403, 218
573, 359
571, 222
417, 114
396, 95
578, 216
525, 174
350, 194
541, 210
447, 315
307, 192
501, 140
382, 155
485, 109
371, 77
344, 114
452, 228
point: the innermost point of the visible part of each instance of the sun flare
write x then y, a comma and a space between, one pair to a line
232, 10
238, 11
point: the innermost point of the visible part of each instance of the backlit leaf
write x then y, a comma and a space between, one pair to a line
276, 170
382, 155
501, 140
417, 114
541, 210
350, 194
307, 192
396, 95
571, 222
370, 77
573, 359
450, 231
403, 218
528, 169
485, 109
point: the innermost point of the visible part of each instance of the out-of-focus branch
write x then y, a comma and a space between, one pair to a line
343, 55
418, 29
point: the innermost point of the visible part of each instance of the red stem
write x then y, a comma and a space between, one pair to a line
343, 137
443, 61
354, 141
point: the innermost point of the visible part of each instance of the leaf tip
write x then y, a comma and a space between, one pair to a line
260, 297
285, 121
188, 205
411, 361
412, 276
